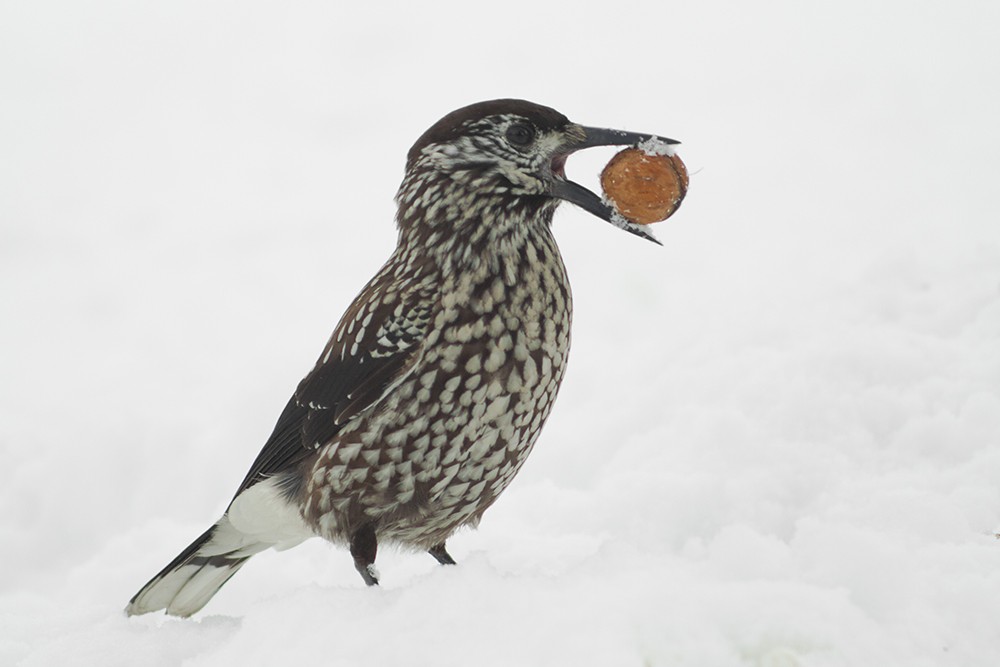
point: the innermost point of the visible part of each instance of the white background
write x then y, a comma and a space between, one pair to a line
778, 442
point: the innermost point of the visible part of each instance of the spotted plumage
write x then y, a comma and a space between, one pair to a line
435, 385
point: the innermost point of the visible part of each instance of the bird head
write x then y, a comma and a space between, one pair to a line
506, 155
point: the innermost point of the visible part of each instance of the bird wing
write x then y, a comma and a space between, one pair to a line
372, 349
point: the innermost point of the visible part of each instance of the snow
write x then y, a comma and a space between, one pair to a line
657, 146
778, 441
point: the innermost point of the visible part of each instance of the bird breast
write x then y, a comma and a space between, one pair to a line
452, 434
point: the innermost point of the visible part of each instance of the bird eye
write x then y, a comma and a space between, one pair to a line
520, 134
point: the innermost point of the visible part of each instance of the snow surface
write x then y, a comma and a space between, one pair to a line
778, 442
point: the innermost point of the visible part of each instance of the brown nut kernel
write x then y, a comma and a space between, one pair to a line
644, 188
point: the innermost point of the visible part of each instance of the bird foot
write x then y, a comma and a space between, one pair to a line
368, 573
441, 554
364, 547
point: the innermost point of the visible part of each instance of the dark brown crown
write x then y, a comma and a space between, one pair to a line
451, 126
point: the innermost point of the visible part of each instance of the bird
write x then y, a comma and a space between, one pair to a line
437, 380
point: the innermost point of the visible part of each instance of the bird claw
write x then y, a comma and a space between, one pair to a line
369, 573
441, 554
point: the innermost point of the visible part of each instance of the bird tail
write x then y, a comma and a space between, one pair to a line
190, 580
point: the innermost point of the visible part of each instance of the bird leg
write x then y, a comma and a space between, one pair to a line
364, 546
441, 554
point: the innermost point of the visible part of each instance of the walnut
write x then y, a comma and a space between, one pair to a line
644, 187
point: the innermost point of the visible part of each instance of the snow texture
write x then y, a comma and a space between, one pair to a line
778, 442
656, 146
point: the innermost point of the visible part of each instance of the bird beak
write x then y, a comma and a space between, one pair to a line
563, 188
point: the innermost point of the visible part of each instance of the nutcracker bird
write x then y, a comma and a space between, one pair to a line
436, 382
